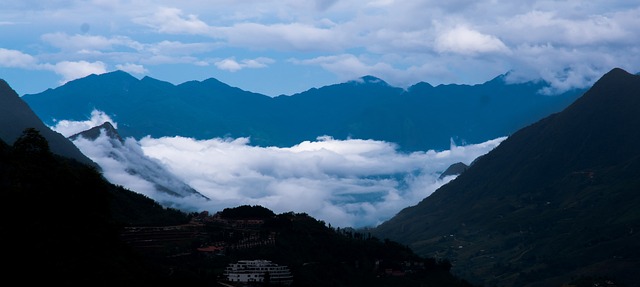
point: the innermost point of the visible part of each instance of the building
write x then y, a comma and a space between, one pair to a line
247, 272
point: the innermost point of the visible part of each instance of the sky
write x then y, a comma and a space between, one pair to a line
345, 183
289, 46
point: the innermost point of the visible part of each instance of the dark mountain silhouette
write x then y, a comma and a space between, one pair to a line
65, 224
62, 221
93, 133
454, 169
16, 115
139, 165
419, 118
556, 201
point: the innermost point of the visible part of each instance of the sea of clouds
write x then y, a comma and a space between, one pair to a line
346, 183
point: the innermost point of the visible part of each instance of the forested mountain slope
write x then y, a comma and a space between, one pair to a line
556, 200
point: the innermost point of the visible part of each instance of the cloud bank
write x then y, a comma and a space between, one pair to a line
346, 183
567, 43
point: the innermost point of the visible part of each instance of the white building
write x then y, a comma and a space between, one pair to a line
255, 271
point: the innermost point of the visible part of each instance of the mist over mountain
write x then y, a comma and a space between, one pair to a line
71, 226
556, 201
347, 183
420, 118
125, 158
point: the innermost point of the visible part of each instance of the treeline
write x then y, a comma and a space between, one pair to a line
247, 212
319, 255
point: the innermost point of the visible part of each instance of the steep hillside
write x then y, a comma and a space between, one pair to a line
556, 200
420, 118
16, 115
65, 219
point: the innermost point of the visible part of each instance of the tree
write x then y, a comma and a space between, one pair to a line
31, 143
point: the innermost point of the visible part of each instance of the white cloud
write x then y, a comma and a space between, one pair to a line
348, 66
132, 68
261, 62
176, 48
466, 41
16, 59
232, 65
347, 183
549, 27
344, 182
125, 164
283, 37
457, 41
68, 128
172, 20
71, 70
228, 65
80, 42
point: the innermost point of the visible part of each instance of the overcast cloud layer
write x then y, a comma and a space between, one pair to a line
287, 46
346, 183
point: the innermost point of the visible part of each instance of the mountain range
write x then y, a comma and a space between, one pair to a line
65, 224
421, 117
555, 204
556, 201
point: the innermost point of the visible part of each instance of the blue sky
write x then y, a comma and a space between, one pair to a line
289, 46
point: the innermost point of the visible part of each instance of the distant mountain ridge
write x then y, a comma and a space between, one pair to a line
556, 200
419, 118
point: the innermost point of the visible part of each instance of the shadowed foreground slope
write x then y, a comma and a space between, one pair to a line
556, 201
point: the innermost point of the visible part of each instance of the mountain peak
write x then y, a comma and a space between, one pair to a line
118, 74
552, 188
368, 79
615, 87
454, 169
94, 132
616, 74
420, 87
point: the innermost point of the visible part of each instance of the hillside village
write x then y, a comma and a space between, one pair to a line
229, 238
